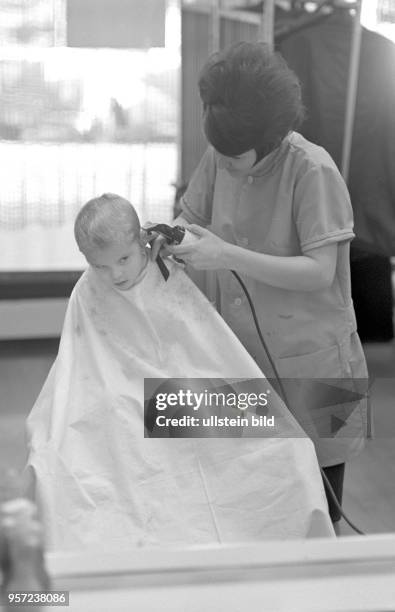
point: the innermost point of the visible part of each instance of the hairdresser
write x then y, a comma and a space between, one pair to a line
280, 216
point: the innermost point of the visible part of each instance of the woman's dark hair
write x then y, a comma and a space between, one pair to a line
251, 99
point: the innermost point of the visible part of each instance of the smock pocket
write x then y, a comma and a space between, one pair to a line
307, 382
325, 363
323, 397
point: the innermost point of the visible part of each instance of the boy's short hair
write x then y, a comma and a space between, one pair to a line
105, 220
251, 99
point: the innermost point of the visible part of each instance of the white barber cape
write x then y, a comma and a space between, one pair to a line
101, 484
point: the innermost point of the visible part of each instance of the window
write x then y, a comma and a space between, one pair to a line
75, 122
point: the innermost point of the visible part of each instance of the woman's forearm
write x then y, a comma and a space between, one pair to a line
295, 273
312, 272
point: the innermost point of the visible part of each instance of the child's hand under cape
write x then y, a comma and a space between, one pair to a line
206, 253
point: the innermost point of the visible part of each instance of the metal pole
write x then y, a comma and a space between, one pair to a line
215, 41
267, 23
352, 86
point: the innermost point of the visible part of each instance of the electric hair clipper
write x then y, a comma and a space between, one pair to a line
172, 235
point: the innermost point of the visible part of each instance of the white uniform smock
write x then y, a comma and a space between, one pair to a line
293, 201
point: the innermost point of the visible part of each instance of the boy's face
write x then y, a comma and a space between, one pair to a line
118, 264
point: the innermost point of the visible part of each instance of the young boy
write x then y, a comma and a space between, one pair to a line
99, 482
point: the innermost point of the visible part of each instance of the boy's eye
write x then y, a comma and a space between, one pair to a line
124, 259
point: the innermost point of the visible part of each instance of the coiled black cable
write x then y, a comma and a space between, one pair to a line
286, 402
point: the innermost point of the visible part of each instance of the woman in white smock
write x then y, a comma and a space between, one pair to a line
279, 214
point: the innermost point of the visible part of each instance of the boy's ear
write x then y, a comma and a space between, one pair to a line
143, 238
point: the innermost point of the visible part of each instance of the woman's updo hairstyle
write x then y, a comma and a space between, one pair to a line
251, 99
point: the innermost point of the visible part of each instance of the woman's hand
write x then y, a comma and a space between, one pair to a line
205, 253
157, 242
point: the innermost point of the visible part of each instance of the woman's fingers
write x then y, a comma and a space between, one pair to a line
179, 249
197, 229
155, 240
159, 247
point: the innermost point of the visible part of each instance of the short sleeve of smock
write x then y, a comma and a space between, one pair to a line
197, 202
322, 207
